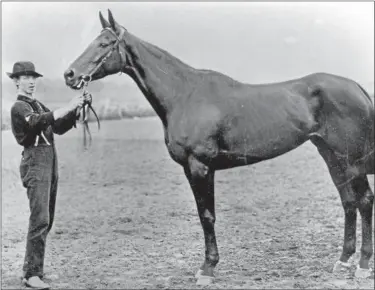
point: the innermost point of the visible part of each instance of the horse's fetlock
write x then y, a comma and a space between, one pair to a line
349, 248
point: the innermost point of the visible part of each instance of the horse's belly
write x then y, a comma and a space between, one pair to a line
250, 143
264, 129
267, 144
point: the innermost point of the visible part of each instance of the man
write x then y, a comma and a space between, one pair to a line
33, 126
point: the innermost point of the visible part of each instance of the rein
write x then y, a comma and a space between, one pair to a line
85, 111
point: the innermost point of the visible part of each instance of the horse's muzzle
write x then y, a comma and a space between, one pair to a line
74, 81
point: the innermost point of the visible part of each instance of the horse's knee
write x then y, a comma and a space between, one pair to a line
212, 259
208, 217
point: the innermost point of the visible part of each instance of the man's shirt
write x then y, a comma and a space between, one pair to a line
32, 121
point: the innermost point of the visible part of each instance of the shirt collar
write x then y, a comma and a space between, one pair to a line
25, 98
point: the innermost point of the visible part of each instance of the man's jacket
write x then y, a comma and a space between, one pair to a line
33, 123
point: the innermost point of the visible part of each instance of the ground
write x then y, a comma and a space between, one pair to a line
126, 218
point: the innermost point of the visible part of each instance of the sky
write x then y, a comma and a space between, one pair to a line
251, 42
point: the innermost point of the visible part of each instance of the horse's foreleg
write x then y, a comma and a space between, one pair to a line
201, 180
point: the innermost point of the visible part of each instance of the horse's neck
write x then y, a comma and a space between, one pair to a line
161, 77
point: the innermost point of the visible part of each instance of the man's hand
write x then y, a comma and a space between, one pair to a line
76, 102
87, 97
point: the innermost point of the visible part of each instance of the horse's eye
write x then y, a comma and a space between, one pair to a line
103, 45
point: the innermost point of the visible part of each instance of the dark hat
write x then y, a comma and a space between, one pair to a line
23, 68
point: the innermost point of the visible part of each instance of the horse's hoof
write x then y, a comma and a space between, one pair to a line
199, 273
341, 267
363, 273
204, 280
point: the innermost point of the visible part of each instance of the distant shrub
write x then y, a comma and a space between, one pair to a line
118, 112
5, 120
104, 111
5, 125
137, 112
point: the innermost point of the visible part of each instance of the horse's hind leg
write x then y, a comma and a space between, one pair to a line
355, 193
365, 206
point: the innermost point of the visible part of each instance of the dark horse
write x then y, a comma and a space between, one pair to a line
213, 122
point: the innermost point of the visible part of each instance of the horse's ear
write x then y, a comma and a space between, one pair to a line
104, 22
115, 26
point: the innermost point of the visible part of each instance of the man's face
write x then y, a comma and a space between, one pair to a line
26, 84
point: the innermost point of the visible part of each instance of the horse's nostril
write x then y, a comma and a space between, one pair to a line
69, 74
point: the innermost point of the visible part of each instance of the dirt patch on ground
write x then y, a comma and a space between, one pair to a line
126, 218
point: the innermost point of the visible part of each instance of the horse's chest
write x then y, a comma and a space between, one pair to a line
174, 146
176, 150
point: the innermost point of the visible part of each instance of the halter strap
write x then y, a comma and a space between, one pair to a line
115, 45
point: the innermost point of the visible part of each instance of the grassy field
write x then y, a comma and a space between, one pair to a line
126, 218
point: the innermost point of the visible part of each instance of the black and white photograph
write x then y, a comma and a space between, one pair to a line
187, 145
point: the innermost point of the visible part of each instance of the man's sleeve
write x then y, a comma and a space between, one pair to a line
23, 116
64, 124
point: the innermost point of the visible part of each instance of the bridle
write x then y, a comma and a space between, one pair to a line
88, 78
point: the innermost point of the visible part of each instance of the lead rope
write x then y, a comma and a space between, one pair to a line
85, 110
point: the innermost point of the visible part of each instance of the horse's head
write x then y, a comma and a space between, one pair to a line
104, 56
